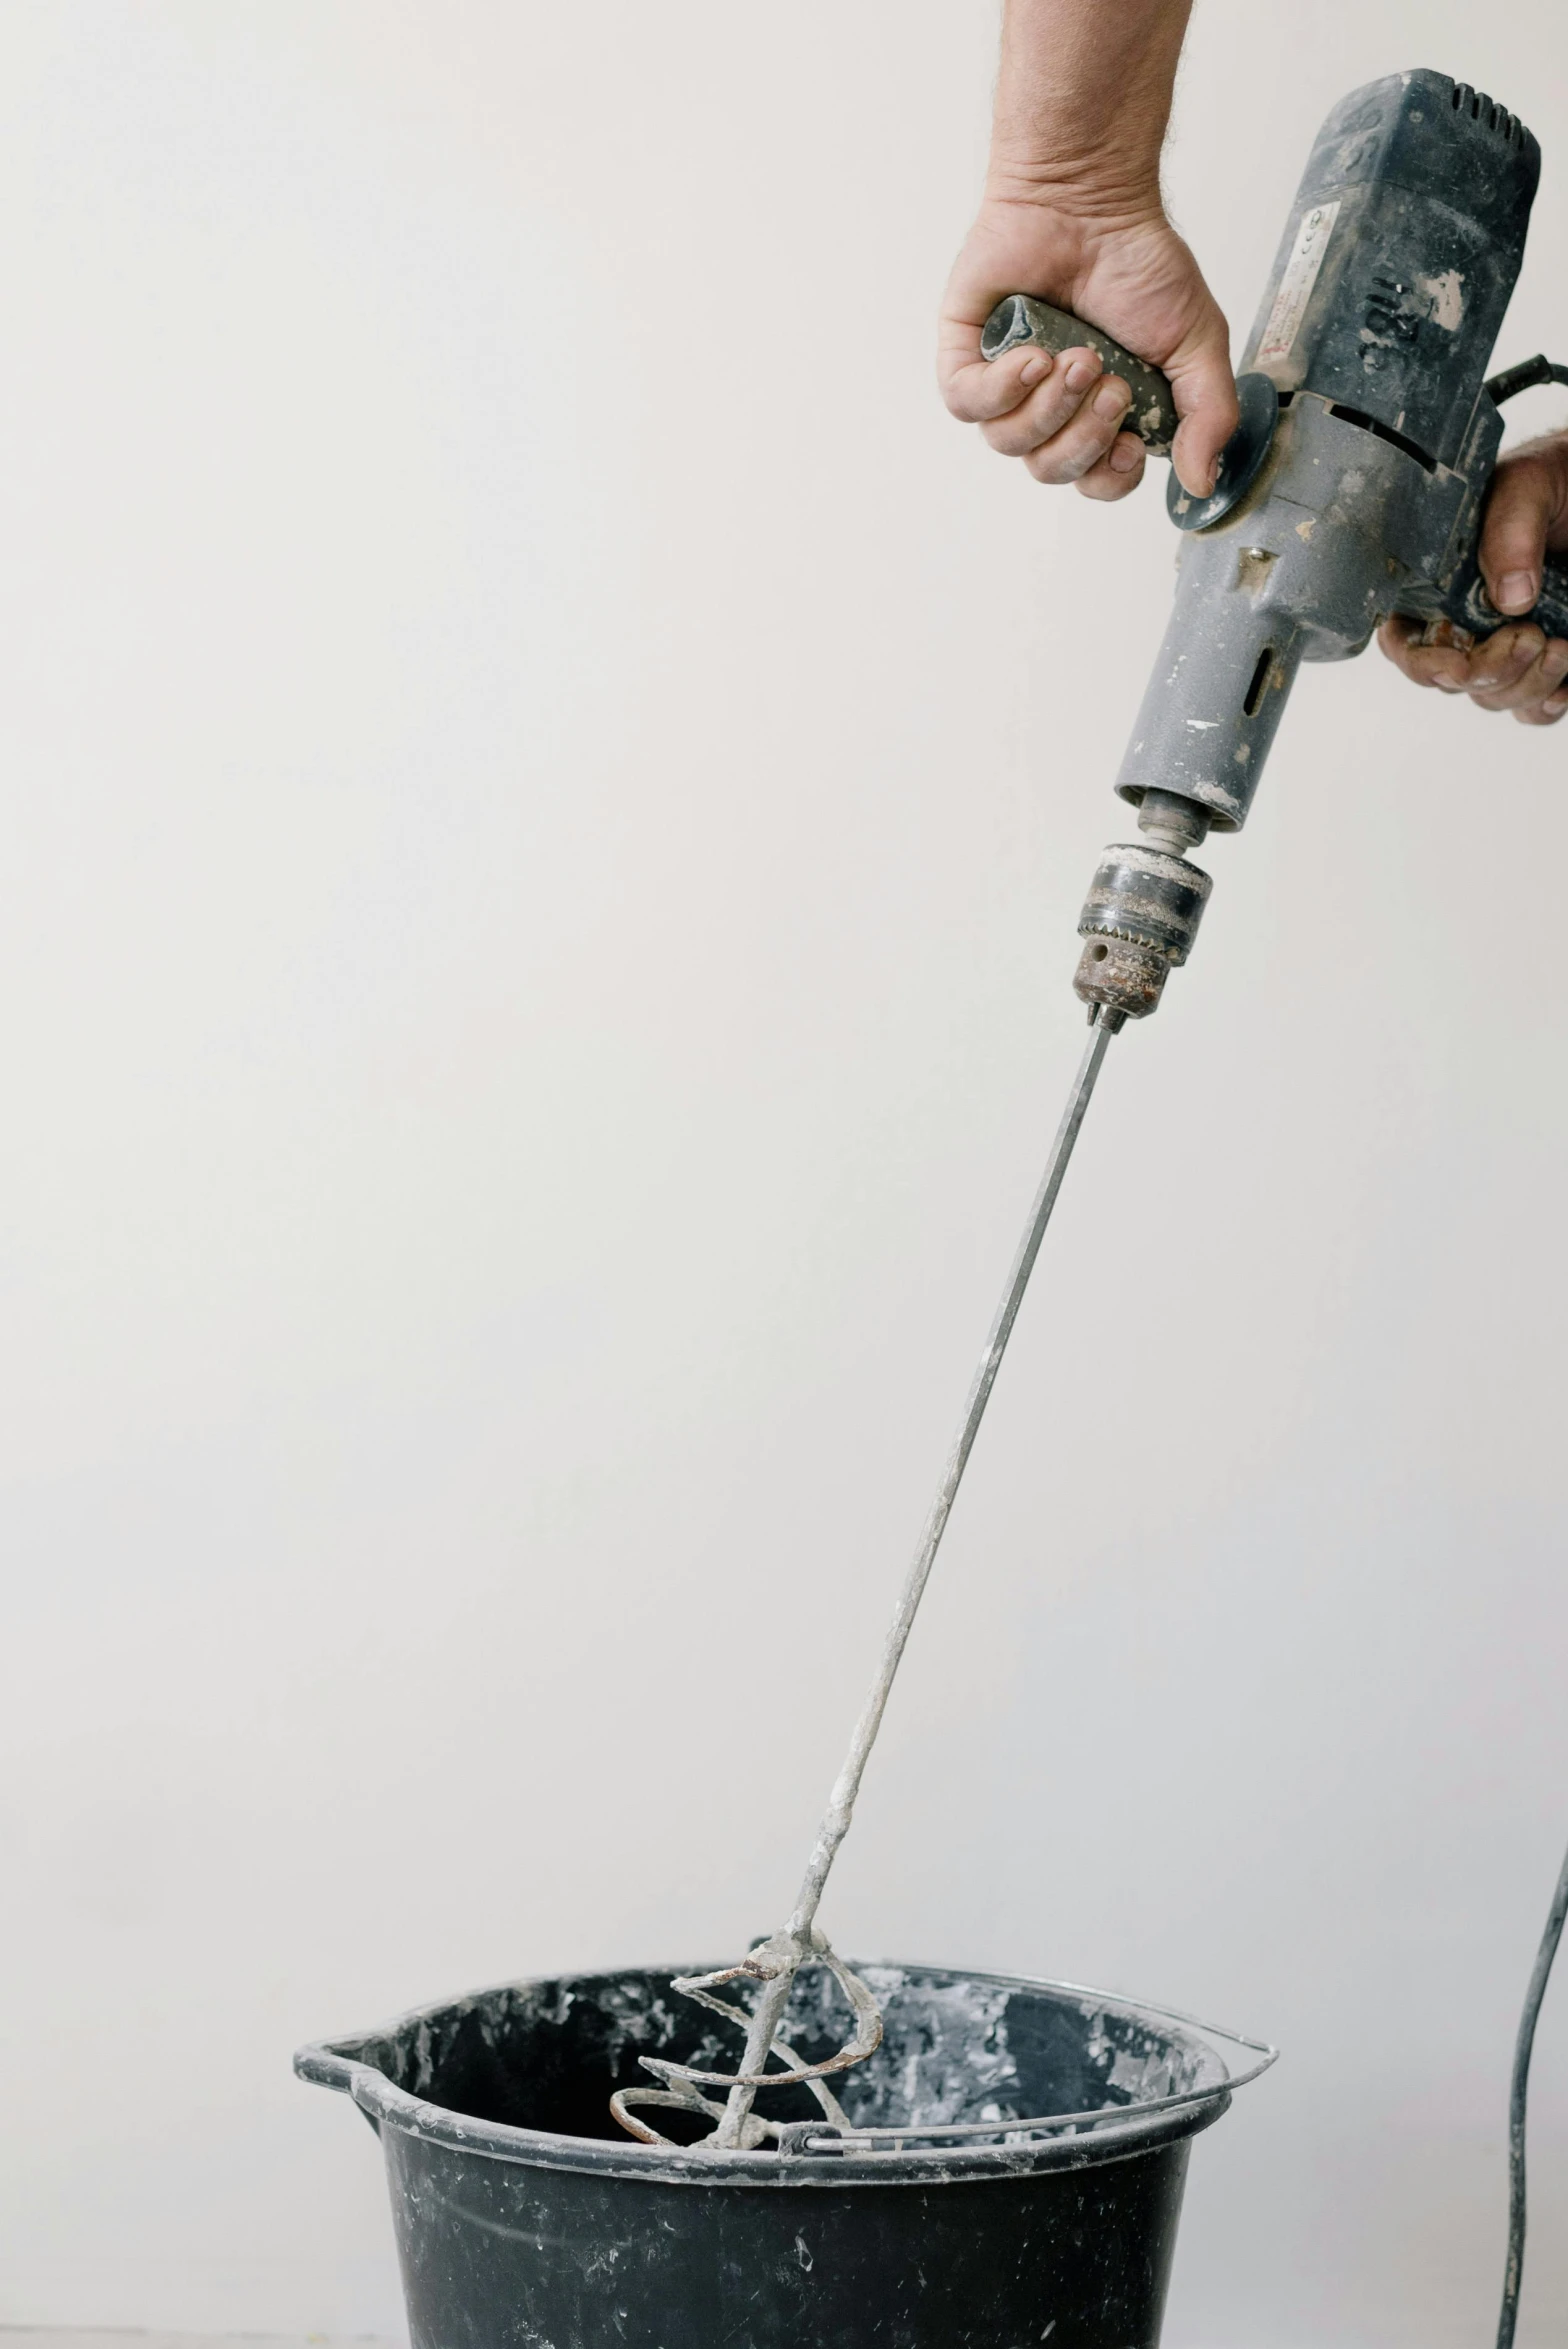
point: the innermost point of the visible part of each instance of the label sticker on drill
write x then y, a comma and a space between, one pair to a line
1295, 287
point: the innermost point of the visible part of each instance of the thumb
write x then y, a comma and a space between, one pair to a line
1205, 390
1529, 494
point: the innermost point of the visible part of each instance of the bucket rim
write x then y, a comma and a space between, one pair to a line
341, 2064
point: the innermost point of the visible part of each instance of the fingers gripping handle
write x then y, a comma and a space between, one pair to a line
1468, 604
1021, 319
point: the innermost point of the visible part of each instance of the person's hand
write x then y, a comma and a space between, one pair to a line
1131, 277
1518, 668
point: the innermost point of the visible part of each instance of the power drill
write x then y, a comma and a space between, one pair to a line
1351, 489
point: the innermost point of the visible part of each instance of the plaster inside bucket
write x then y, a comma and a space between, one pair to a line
548, 2055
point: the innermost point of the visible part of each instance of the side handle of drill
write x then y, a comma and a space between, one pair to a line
1021, 319
1152, 415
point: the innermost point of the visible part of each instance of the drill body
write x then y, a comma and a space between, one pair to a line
1363, 494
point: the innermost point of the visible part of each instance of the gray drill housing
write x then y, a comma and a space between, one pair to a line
1376, 330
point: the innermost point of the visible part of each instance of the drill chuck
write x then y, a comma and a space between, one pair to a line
1138, 923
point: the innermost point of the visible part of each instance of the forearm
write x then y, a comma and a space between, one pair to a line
1083, 99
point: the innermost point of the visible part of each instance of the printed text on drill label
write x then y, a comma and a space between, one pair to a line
1295, 287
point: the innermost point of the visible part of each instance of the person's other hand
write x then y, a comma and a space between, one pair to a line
1520, 668
1132, 278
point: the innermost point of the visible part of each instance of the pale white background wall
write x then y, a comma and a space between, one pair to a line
546, 795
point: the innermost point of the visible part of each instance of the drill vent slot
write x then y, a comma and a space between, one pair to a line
1259, 686
1386, 432
1488, 113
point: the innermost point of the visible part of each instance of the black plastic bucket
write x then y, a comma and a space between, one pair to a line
526, 2219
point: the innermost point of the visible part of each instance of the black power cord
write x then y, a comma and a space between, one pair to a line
1524, 377
1519, 2090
